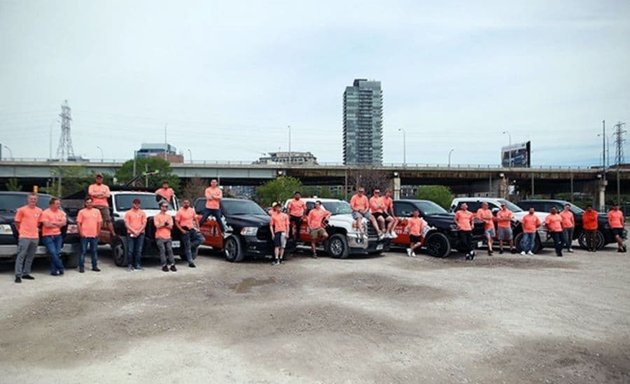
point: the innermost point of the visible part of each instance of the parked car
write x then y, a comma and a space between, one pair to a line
120, 201
343, 238
444, 236
250, 234
604, 234
9, 203
543, 239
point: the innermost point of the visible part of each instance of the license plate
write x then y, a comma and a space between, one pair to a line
175, 244
479, 244
379, 247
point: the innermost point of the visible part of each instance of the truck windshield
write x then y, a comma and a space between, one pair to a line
511, 206
430, 208
10, 202
147, 201
337, 207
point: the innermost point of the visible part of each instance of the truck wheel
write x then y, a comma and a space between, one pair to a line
119, 251
233, 249
72, 260
337, 246
437, 245
599, 240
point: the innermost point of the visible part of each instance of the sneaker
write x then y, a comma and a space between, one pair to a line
281, 261
381, 236
28, 277
620, 250
472, 255
623, 247
559, 254
130, 268
192, 265
314, 255
96, 269
413, 254
173, 268
139, 268
570, 250
467, 257
81, 269
530, 253
18, 279
490, 252
408, 251
61, 271
275, 262
523, 253
56, 273
393, 235
165, 268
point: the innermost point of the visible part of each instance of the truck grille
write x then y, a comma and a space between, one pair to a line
263, 233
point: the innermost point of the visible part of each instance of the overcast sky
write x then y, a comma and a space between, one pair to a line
228, 77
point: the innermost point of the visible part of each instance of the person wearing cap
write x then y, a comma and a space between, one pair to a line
554, 227
316, 229
165, 192
568, 224
99, 193
135, 222
213, 205
361, 209
297, 209
186, 222
485, 215
279, 226
415, 226
589, 226
89, 221
616, 221
504, 228
163, 225
53, 219
464, 221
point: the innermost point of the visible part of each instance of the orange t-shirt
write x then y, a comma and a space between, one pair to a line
135, 219
163, 231
414, 226
29, 221
53, 217
554, 223
590, 220
359, 203
389, 204
486, 216
185, 217
504, 215
89, 220
377, 204
615, 219
463, 220
296, 207
316, 217
568, 221
213, 196
530, 223
279, 222
166, 193
96, 189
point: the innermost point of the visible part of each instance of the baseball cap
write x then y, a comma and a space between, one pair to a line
275, 204
163, 202
99, 175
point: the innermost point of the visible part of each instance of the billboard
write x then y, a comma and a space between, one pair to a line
516, 155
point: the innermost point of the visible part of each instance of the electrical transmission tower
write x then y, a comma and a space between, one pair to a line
64, 150
619, 140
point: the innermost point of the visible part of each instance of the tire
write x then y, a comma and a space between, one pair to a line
72, 260
599, 240
119, 251
537, 244
437, 245
337, 246
233, 249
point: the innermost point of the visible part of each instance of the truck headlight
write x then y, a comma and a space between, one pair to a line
5, 229
72, 229
249, 231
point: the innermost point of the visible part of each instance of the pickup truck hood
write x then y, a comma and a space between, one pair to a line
440, 220
343, 220
247, 220
541, 215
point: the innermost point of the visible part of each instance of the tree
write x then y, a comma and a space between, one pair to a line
370, 179
67, 180
151, 164
439, 194
278, 190
13, 185
195, 188
323, 192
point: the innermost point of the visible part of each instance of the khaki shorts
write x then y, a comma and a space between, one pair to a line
317, 233
104, 213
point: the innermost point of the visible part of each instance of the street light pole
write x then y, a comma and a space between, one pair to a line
190, 155
100, 149
509, 148
10, 151
449, 156
404, 145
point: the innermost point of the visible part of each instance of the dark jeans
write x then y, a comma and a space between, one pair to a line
528, 241
214, 212
134, 250
53, 245
92, 242
466, 239
567, 234
591, 240
191, 240
297, 222
558, 240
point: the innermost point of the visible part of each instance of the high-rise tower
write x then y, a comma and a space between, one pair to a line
363, 123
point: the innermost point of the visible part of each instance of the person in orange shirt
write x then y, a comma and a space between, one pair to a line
297, 209
89, 221
27, 225
616, 221
530, 224
554, 227
213, 206
279, 225
391, 217
464, 220
186, 222
568, 225
53, 219
99, 193
589, 226
485, 215
316, 229
361, 209
377, 209
504, 228
136, 223
163, 225
165, 192
415, 226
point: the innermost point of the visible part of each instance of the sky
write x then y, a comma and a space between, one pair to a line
225, 80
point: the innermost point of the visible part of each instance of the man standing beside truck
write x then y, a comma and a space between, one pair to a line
135, 222
297, 209
89, 221
186, 222
27, 222
163, 225
53, 219
316, 229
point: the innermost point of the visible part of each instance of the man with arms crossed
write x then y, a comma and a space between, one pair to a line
554, 226
616, 222
316, 229
504, 228
163, 224
99, 193
589, 226
53, 219
165, 192
296, 208
89, 221
27, 222
568, 224
213, 205
186, 222
464, 220
279, 225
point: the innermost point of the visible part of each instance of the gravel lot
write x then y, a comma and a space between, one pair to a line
387, 319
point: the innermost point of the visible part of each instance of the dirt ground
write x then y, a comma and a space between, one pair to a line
387, 319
